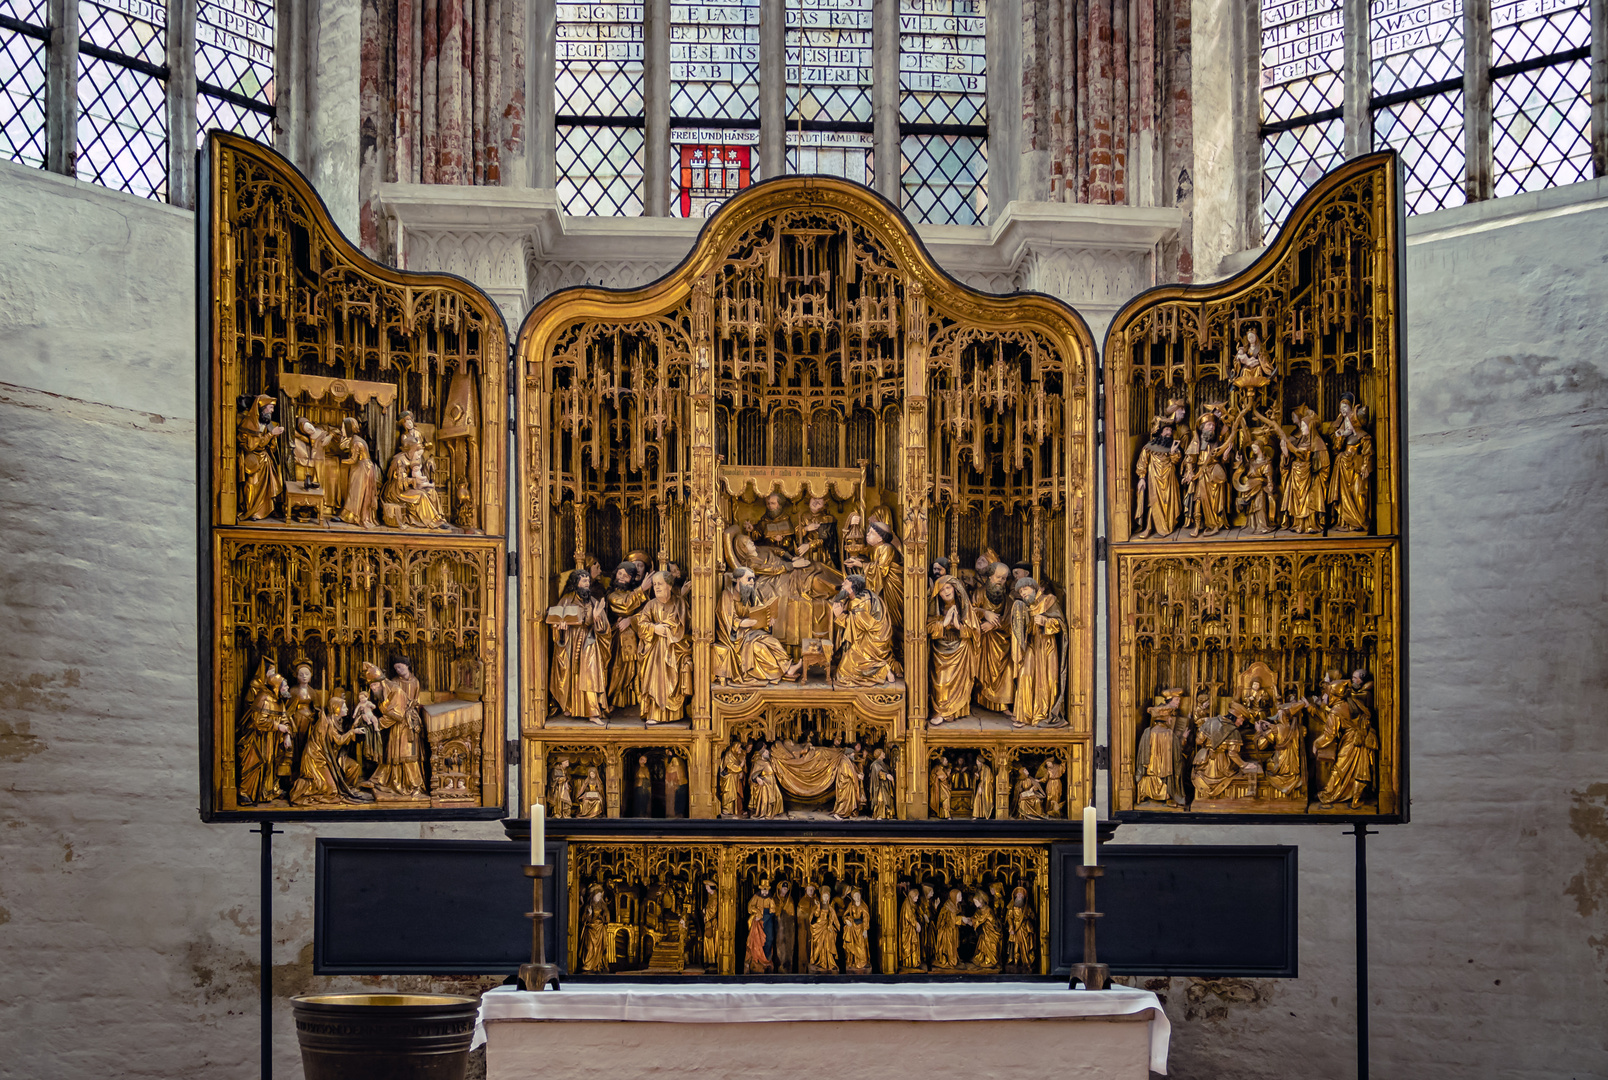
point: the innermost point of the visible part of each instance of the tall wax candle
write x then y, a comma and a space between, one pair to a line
538, 835
1090, 858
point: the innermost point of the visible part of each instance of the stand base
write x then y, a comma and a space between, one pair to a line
1092, 976
538, 976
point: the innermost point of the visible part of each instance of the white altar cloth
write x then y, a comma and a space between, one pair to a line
812, 1003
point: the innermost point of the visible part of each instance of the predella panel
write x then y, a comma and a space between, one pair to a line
1254, 482
354, 472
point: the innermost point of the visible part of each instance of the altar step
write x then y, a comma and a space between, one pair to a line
668, 955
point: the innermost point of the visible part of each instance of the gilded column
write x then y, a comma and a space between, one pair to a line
916, 488
703, 519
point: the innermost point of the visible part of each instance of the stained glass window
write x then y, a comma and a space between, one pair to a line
234, 67
1417, 69
943, 110
599, 108
22, 82
122, 102
1540, 94
714, 78
829, 76
1302, 87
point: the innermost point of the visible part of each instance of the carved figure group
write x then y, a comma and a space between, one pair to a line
966, 929
859, 781
1251, 746
968, 784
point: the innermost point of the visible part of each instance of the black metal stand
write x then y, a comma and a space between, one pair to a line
1362, 832
266, 976
538, 973
1093, 975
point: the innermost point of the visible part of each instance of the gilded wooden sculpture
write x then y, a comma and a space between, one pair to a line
748, 487
1256, 552
354, 477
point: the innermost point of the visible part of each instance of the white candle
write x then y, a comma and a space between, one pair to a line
1090, 858
538, 835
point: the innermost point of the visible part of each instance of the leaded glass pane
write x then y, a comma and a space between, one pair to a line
600, 169
22, 99
943, 77
122, 128
829, 56
234, 47
945, 178
136, 28
1303, 58
1542, 122
714, 60
1428, 133
832, 153
709, 166
1414, 43
599, 59
217, 114
1528, 29
1292, 161
28, 11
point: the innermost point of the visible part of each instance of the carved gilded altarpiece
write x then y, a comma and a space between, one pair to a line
1255, 483
353, 482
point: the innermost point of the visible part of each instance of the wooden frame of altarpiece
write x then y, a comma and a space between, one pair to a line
370, 531
1257, 672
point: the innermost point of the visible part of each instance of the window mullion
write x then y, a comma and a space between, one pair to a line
1358, 81
656, 108
885, 153
181, 107
772, 88
542, 90
1478, 164
1599, 87
61, 88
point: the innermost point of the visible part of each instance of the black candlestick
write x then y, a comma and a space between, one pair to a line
1092, 975
538, 973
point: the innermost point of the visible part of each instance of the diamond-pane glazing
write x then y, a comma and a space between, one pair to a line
136, 28
1292, 161
22, 99
122, 128
1428, 133
1303, 57
945, 179
216, 114
28, 11
1541, 133
600, 170
831, 153
1527, 29
943, 76
1414, 43
714, 60
235, 47
831, 52
599, 59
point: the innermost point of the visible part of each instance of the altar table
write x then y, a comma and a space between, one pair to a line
854, 1031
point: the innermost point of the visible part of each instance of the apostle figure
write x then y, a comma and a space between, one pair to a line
775, 526
910, 922
256, 466
1157, 501
884, 803
856, 936
760, 941
1306, 473
1217, 761
849, 785
642, 788
397, 702
946, 938
1353, 464
824, 934
595, 931
710, 917
583, 644
815, 534
884, 572
264, 736
361, 504
986, 953
627, 593
1206, 478
1029, 795
866, 657
1160, 756
745, 651
675, 786
983, 792
765, 794
786, 928
803, 920
1348, 727
1021, 936
733, 772
1037, 632
954, 632
996, 675
938, 787
664, 670
327, 775
589, 794
560, 802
